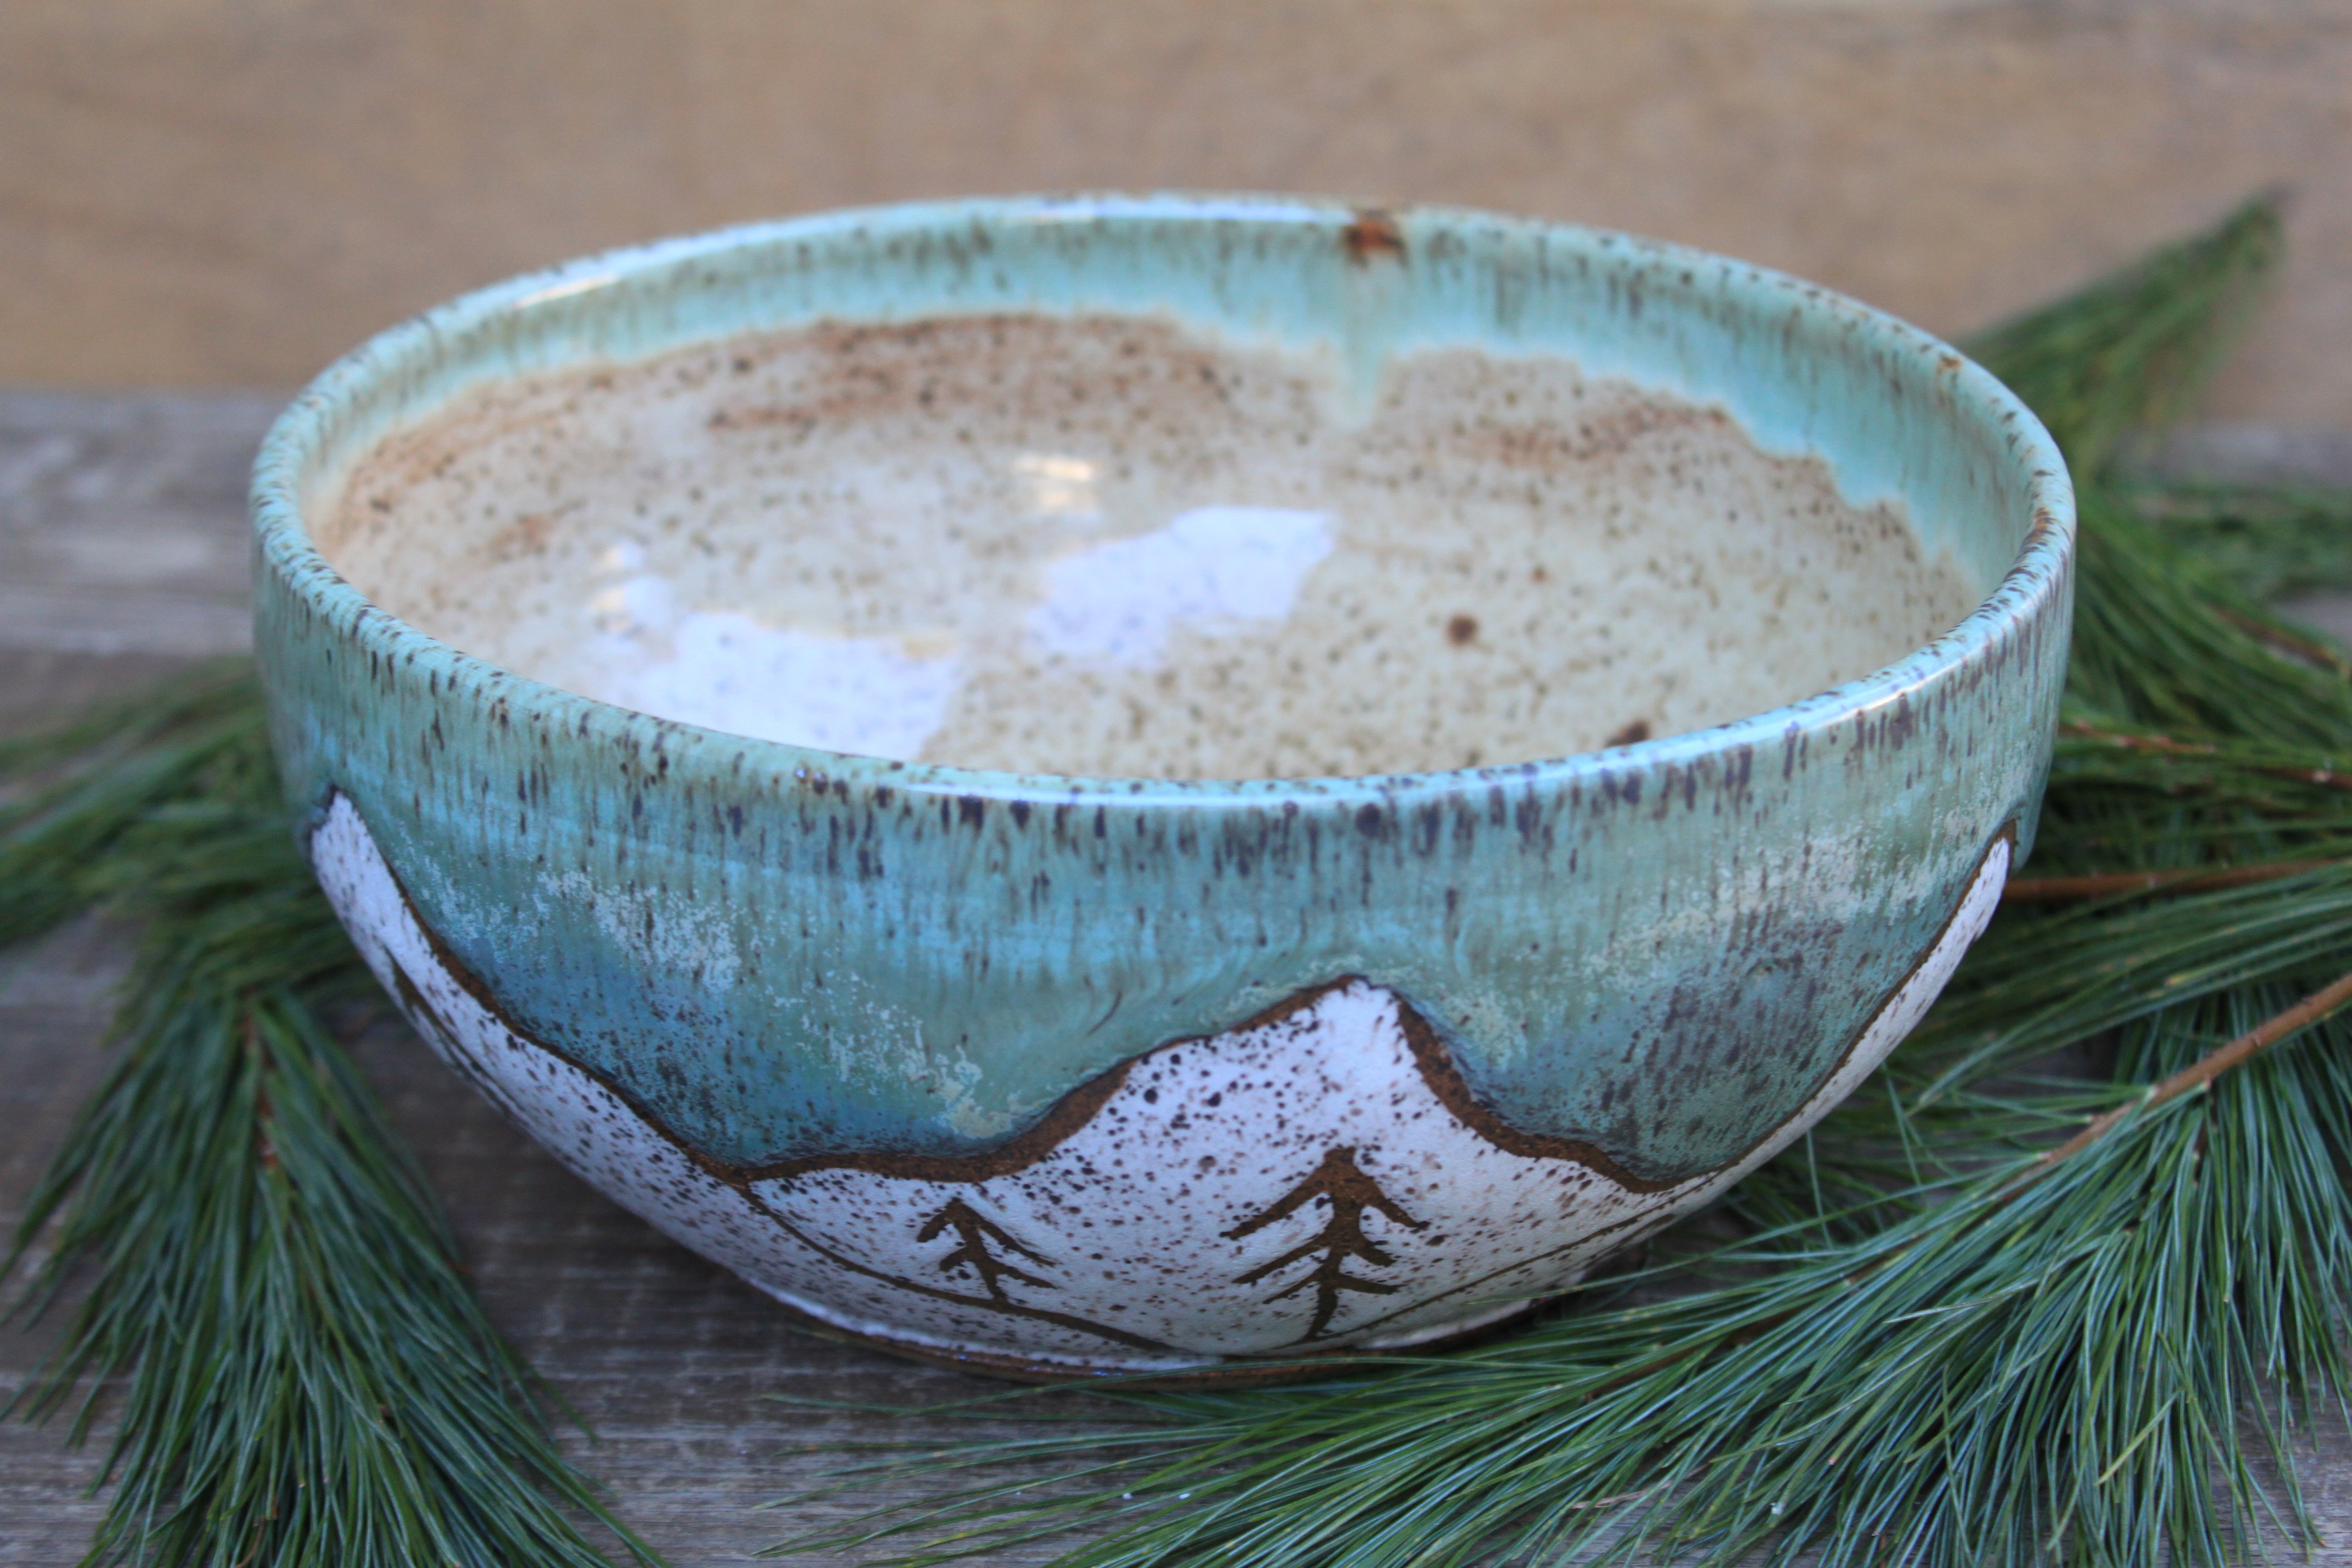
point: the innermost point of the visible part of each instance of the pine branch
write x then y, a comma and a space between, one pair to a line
2124, 884
2163, 643
309, 1381
1956, 1389
2267, 538
2201, 1073
2132, 349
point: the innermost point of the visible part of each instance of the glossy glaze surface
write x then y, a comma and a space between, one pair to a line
1650, 961
1112, 546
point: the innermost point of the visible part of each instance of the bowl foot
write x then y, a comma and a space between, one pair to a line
1226, 1372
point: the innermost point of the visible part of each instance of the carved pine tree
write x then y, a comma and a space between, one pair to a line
974, 1232
1349, 1191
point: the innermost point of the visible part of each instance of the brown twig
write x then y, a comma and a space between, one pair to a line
2165, 745
2195, 1076
2107, 884
2129, 742
2206, 1069
2310, 650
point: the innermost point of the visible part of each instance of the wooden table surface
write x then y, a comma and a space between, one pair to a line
121, 554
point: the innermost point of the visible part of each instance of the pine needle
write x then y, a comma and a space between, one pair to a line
2131, 351
2201, 1072
309, 1381
2268, 540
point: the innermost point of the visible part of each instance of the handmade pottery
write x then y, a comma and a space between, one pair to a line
1062, 1073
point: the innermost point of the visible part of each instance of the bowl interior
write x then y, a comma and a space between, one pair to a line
1173, 490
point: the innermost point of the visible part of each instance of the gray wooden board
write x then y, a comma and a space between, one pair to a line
123, 553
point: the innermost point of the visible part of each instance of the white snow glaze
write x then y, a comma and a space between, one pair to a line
1309, 1181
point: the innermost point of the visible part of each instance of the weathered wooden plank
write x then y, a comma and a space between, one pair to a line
53, 1005
121, 521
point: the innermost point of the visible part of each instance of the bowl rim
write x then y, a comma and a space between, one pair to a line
304, 431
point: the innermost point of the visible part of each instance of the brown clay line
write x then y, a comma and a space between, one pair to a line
1068, 1115
1077, 1107
1439, 1061
990, 1304
2110, 884
718, 1171
1446, 1081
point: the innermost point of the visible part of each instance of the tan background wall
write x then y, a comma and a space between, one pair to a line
198, 192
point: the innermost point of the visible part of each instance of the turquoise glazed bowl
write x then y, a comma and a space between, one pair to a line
1055, 1074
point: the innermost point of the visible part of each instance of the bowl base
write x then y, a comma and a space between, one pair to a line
1224, 1372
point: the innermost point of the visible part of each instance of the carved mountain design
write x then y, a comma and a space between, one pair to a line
1319, 1177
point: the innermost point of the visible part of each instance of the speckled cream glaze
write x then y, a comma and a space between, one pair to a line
776, 954
1111, 546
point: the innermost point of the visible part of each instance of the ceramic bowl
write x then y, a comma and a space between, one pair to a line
1065, 1075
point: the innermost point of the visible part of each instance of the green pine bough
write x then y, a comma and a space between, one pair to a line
2063, 1283
310, 1378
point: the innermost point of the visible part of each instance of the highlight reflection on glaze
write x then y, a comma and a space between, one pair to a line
1103, 546
1215, 570
846, 694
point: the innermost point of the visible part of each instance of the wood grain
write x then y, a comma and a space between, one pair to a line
129, 508
201, 192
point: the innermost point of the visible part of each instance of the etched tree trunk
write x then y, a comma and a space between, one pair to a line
1349, 1191
974, 1231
